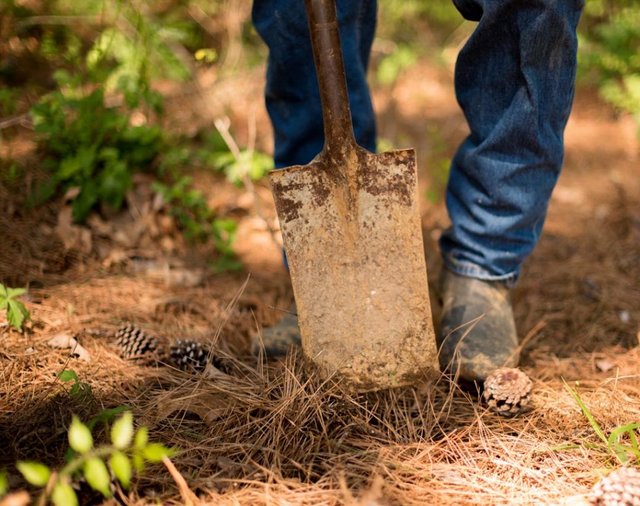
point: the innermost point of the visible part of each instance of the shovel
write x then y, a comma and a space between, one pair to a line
352, 232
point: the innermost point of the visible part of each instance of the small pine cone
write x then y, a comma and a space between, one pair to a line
620, 488
134, 344
507, 391
189, 355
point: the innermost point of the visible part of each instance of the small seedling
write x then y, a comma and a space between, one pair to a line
622, 442
79, 388
17, 313
128, 452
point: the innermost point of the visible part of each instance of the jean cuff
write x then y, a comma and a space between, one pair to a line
471, 270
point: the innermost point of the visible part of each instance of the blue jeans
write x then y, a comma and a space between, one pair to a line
515, 83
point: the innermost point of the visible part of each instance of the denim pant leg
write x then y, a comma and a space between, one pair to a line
292, 96
515, 83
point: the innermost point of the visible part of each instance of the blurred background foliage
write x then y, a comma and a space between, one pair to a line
82, 77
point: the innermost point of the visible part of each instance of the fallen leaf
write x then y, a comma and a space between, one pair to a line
64, 340
208, 406
114, 257
72, 236
172, 276
604, 364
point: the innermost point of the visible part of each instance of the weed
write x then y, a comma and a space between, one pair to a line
622, 442
238, 165
610, 38
90, 146
79, 389
87, 142
16, 312
198, 221
127, 453
392, 65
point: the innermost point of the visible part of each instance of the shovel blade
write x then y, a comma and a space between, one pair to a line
354, 245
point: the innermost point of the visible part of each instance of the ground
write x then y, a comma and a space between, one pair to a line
272, 433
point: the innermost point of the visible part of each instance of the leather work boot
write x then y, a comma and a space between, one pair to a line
477, 333
277, 339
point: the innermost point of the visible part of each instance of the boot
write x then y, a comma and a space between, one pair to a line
277, 339
477, 332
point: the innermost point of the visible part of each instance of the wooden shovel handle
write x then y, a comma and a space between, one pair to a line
339, 140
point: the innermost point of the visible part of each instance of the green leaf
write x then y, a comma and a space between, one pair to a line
97, 476
64, 495
141, 438
80, 438
35, 473
4, 483
155, 452
68, 375
138, 462
15, 292
587, 413
85, 200
622, 449
628, 429
16, 313
121, 467
122, 431
106, 415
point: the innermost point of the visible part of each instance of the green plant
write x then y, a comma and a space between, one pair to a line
392, 65
222, 154
198, 221
622, 442
79, 389
90, 146
127, 452
610, 51
406, 21
96, 129
106, 416
16, 312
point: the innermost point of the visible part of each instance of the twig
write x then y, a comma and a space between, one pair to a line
21, 119
187, 495
222, 125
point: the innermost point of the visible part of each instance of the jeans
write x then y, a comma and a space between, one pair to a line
514, 81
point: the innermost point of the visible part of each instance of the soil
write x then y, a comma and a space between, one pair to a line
271, 432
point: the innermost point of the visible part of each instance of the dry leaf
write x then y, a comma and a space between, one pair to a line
208, 406
171, 275
67, 341
604, 365
114, 257
72, 236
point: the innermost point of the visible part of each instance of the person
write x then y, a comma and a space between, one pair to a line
514, 80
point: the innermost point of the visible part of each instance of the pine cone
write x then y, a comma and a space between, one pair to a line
134, 344
620, 488
507, 391
189, 355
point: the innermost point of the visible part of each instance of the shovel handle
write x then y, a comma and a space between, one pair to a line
339, 139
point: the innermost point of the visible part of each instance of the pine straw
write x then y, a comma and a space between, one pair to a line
275, 434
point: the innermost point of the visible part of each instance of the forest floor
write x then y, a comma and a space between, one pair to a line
272, 433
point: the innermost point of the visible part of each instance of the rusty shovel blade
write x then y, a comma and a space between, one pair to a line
352, 232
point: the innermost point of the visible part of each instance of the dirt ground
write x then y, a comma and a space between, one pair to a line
272, 433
